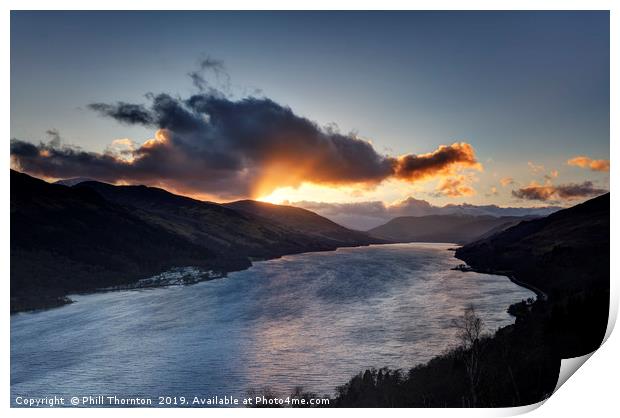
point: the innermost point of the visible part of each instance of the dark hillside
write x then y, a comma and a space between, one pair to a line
303, 220
94, 235
442, 228
65, 239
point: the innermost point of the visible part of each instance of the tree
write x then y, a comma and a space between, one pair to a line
470, 332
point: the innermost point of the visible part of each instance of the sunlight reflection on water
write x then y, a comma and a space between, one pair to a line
312, 319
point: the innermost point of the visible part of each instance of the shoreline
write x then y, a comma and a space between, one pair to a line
333, 394
223, 274
540, 294
64, 300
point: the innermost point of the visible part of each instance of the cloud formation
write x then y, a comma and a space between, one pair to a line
549, 192
587, 162
209, 145
54, 136
215, 66
552, 174
455, 186
535, 168
507, 181
492, 192
441, 161
127, 113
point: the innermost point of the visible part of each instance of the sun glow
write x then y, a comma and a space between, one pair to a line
303, 192
389, 191
312, 192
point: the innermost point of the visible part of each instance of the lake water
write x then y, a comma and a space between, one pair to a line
312, 319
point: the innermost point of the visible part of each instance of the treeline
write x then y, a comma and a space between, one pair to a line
513, 367
518, 365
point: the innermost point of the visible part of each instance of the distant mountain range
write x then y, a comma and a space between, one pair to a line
94, 235
368, 215
458, 229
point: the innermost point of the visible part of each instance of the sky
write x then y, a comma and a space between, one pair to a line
506, 108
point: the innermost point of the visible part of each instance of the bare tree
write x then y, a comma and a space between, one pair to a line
470, 332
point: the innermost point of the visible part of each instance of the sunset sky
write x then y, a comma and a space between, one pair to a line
480, 107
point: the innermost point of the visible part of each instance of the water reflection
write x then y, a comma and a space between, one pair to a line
313, 319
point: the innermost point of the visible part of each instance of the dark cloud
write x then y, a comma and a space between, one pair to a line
217, 68
130, 114
414, 167
54, 135
24, 150
198, 80
49, 160
211, 145
549, 192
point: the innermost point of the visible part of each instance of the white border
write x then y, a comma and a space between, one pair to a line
593, 391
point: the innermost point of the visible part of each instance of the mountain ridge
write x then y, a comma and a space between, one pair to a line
555, 242
565, 255
457, 229
299, 218
93, 235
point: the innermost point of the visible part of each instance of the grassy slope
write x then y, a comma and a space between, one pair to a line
303, 220
566, 252
65, 239
210, 225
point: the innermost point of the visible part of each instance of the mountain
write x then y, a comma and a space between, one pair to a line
303, 220
239, 226
94, 235
70, 240
367, 215
441, 228
494, 210
566, 255
565, 252
73, 181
